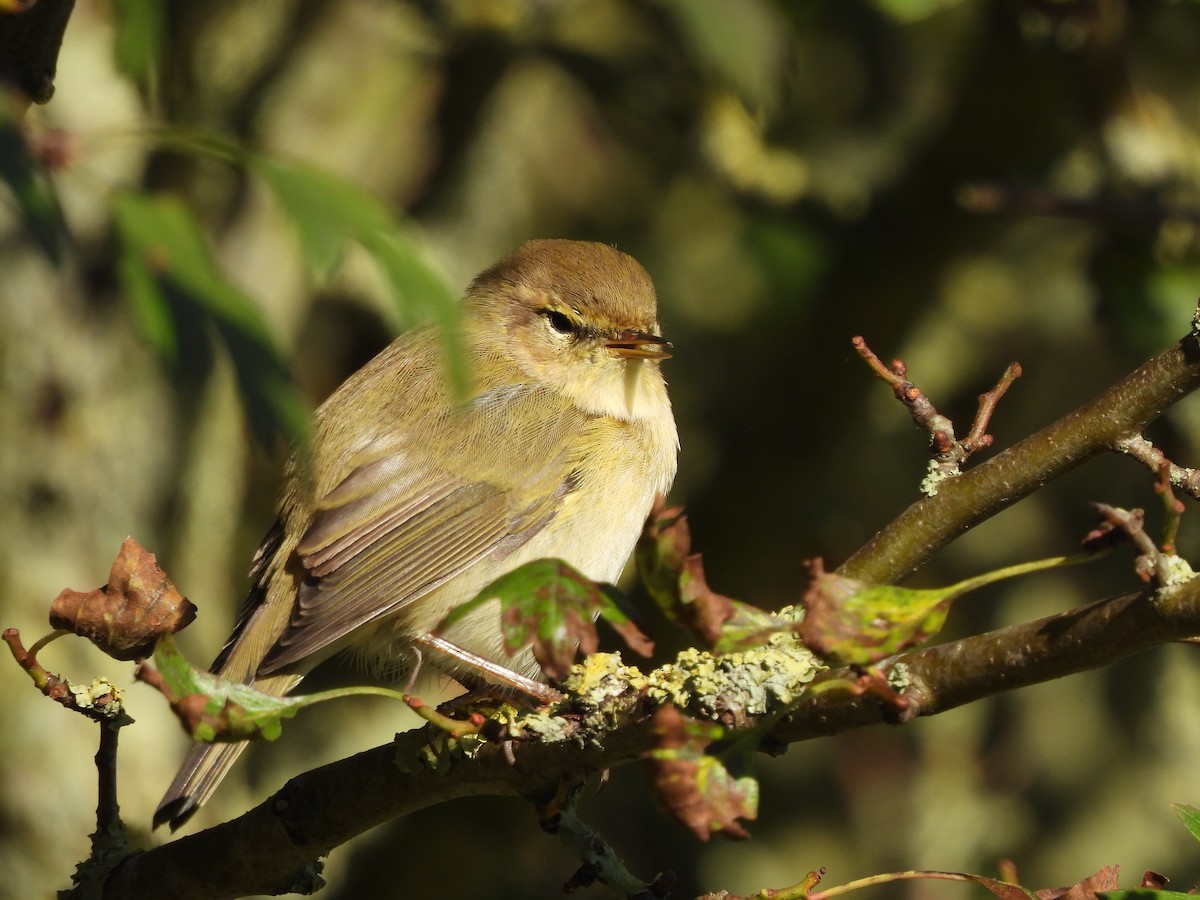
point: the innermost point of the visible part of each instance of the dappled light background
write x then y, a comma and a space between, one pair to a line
963, 183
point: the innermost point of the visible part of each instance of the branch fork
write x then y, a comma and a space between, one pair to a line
948, 452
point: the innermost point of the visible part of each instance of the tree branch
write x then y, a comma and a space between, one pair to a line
978, 494
270, 847
963, 671
273, 847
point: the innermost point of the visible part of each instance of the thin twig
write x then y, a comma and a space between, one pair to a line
1130, 523
923, 412
949, 453
600, 863
978, 438
100, 701
108, 810
997, 483
1136, 446
1173, 508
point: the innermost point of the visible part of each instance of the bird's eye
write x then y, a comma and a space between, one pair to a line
558, 321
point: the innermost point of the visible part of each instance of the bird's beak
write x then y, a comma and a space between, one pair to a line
634, 344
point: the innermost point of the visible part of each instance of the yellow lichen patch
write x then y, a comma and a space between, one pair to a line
100, 694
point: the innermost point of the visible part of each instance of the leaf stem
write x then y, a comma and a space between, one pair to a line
889, 877
1036, 565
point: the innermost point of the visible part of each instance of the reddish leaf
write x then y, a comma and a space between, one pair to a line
860, 623
127, 616
852, 621
674, 577
696, 787
1088, 889
550, 606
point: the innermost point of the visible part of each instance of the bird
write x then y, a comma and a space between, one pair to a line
413, 495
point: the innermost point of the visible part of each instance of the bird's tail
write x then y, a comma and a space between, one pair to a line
206, 765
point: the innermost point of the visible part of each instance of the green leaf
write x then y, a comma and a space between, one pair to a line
1145, 894
212, 708
328, 211
325, 210
1190, 817
138, 43
217, 710
162, 232
151, 312
169, 273
421, 294
854, 622
32, 190
550, 606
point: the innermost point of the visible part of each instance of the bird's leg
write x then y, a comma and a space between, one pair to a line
492, 674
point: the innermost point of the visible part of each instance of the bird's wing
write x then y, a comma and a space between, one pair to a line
399, 526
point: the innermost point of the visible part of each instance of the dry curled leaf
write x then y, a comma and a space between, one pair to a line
1088, 889
125, 617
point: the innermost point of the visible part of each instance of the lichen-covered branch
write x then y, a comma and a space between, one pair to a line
609, 723
963, 671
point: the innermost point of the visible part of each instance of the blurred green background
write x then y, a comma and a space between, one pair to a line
963, 183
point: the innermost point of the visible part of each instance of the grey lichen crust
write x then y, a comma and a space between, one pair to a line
736, 689
733, 688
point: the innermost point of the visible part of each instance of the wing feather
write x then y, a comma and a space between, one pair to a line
397, 527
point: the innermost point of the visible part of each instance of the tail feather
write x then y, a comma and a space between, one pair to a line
202, 770
207, 764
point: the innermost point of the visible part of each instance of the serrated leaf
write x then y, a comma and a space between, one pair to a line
550, 606
169, 272
212, 708
1104, 879
707, 792
32, 191
1144, 894
853, 622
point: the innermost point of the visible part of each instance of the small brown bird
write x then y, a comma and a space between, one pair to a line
414, 498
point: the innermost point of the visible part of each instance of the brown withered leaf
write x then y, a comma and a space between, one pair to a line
666, 564
1088, 889
1154, 880
697, 787
125, 617
675, 579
